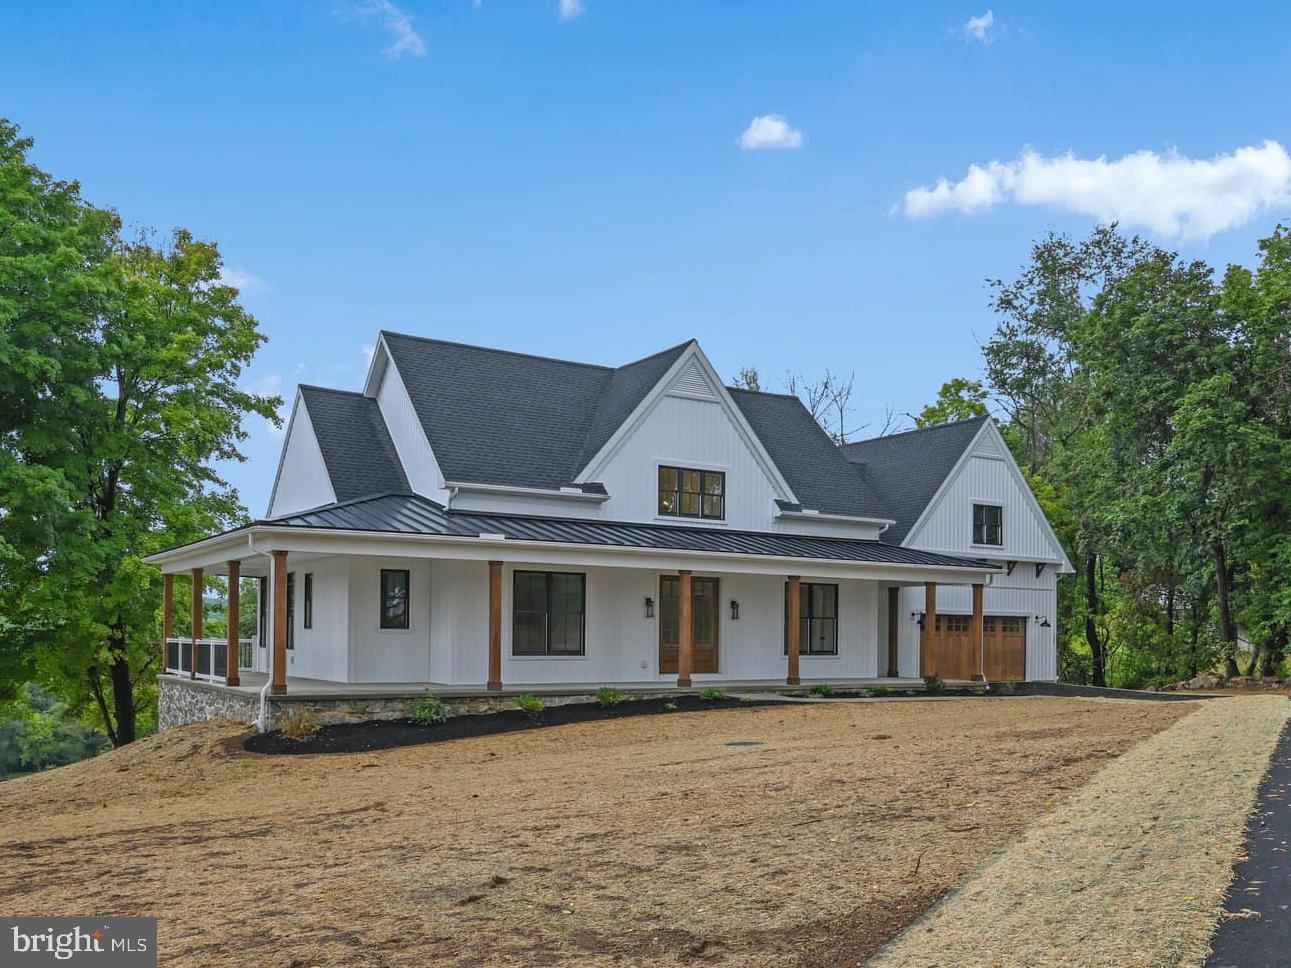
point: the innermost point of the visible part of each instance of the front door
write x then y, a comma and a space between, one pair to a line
703, 610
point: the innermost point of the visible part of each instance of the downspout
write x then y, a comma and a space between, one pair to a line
261, 722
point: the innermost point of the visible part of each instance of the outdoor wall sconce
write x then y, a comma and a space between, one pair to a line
917, 618
735, 609
1043, 620
649, 607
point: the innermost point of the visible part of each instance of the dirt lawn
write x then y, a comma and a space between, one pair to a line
642, 841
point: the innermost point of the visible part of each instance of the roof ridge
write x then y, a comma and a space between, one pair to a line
500, 351
766, 393
348, 393
664, 352
919, 430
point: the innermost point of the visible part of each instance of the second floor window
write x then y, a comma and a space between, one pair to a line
988, 524
686, 493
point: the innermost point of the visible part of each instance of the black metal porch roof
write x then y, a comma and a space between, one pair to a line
413, 514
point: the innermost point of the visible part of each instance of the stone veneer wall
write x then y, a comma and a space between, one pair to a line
182, 701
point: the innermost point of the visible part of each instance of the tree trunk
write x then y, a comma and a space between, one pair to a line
1097, 655
1227, 628
122, 686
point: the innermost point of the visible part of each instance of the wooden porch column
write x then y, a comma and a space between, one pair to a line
231, 650
167, 617
685, 629
278, 684
495, 626
929, 644
197, 620
977, 634
794, 618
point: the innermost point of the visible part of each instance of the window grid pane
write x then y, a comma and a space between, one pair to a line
689, 493
548, 613
817, 619
394, 599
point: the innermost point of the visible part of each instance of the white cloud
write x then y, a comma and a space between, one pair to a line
1168, 194
394, 19
979, 28
770, 131
237, 278
567, 10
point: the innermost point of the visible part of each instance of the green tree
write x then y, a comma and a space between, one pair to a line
135, 389
958, 399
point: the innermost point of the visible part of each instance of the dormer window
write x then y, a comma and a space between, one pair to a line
988, 524
687, 493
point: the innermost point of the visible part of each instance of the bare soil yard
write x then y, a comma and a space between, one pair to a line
634, 841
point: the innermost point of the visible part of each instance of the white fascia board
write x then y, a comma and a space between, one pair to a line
343, 542
809, 515
657, 392
508, 490
376, 367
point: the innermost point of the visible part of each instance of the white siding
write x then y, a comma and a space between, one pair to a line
419, 464
302, 476
321, 651
688, 433
1021, 594
389, 655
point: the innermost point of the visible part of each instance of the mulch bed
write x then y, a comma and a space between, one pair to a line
1069, 690
384, 735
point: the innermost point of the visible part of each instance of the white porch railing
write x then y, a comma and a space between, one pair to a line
210, 657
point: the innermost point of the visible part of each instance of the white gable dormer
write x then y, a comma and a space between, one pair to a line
302, 481
985, 508
386, 385
690, 423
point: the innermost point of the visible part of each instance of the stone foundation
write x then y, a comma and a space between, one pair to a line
182, 701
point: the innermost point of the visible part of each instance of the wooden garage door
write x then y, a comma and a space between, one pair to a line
1006, 647
950, 653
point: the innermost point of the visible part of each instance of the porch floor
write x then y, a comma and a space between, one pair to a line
299, 688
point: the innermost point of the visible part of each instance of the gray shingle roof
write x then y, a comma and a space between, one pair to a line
357, 449
498, 417
906, 469
413, 514
821, 478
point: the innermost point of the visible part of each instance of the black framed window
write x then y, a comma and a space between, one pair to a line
817, 619
548, 613
988, 524
309, 600
291, 609
394, 598
262, 596
688, 493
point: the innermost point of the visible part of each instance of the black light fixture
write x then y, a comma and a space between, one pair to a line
917, 617
735, 609
1043, 620
649, 607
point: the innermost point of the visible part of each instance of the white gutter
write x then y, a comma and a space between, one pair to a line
508, 490
261, 722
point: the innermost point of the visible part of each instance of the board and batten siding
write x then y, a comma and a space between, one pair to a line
409, 437
389, 655
302, 476
687, 432
321, 651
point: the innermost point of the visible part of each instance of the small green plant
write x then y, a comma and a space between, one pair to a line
1003, 688
874, 692
933, 684
670, 707
300, 724
531, 706
429, 710
712, 695
820, 690
608, 697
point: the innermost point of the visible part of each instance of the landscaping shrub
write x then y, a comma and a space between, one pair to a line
820, 690
1003, 688
933, 684
875, 691
429, 710
712, 695
532, 706
670, 707
300, 724
608, 697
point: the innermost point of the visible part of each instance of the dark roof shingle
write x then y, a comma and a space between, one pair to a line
360, 456
906, 469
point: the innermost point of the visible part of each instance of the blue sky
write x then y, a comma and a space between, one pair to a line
566, 177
